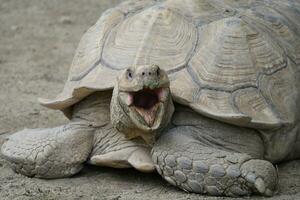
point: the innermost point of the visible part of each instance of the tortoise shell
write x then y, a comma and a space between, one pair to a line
233, 61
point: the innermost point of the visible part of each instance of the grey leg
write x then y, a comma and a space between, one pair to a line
281, 144
49, 153
112, 149
214, 164
295, 152
297, 148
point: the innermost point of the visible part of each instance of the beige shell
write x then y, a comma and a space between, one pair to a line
234, 62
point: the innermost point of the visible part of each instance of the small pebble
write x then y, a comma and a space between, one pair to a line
66, 20
14, 28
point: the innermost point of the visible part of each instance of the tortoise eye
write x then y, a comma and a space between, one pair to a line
129, 74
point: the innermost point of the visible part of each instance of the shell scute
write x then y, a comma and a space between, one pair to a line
156, 35
231, 53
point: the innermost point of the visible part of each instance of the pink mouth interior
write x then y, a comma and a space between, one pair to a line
145, 99
146, 104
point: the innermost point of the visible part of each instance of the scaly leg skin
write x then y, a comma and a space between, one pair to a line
202, 163
112, 149
51, 152
294, 146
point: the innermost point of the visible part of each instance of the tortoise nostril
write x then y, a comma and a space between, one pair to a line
150, 71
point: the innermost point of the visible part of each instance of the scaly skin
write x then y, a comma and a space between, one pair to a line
205, 156
49, 153
113, 149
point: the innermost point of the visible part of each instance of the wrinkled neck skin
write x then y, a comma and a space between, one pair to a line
132, 125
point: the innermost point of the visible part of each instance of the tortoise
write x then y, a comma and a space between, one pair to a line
204, 91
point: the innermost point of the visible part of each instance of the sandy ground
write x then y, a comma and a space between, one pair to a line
37, 42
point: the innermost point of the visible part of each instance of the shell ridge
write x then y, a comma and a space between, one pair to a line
87, 71
283, 41
268, 105
269, 99
272, 39
232, 115
145, 36
192, 54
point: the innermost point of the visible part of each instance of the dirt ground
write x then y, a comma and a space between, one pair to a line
37, 42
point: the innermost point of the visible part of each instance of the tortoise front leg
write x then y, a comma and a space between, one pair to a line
216, 164
113, 149
50, 152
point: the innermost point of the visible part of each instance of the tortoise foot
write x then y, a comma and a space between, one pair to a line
50, 152
261, 175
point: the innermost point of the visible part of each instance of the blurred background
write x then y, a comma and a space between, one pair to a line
38, 39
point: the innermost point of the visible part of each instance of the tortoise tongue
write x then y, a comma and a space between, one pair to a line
148, 114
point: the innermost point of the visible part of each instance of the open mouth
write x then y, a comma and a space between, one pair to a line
146, 103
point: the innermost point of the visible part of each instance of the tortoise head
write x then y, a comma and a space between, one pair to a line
141, 104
